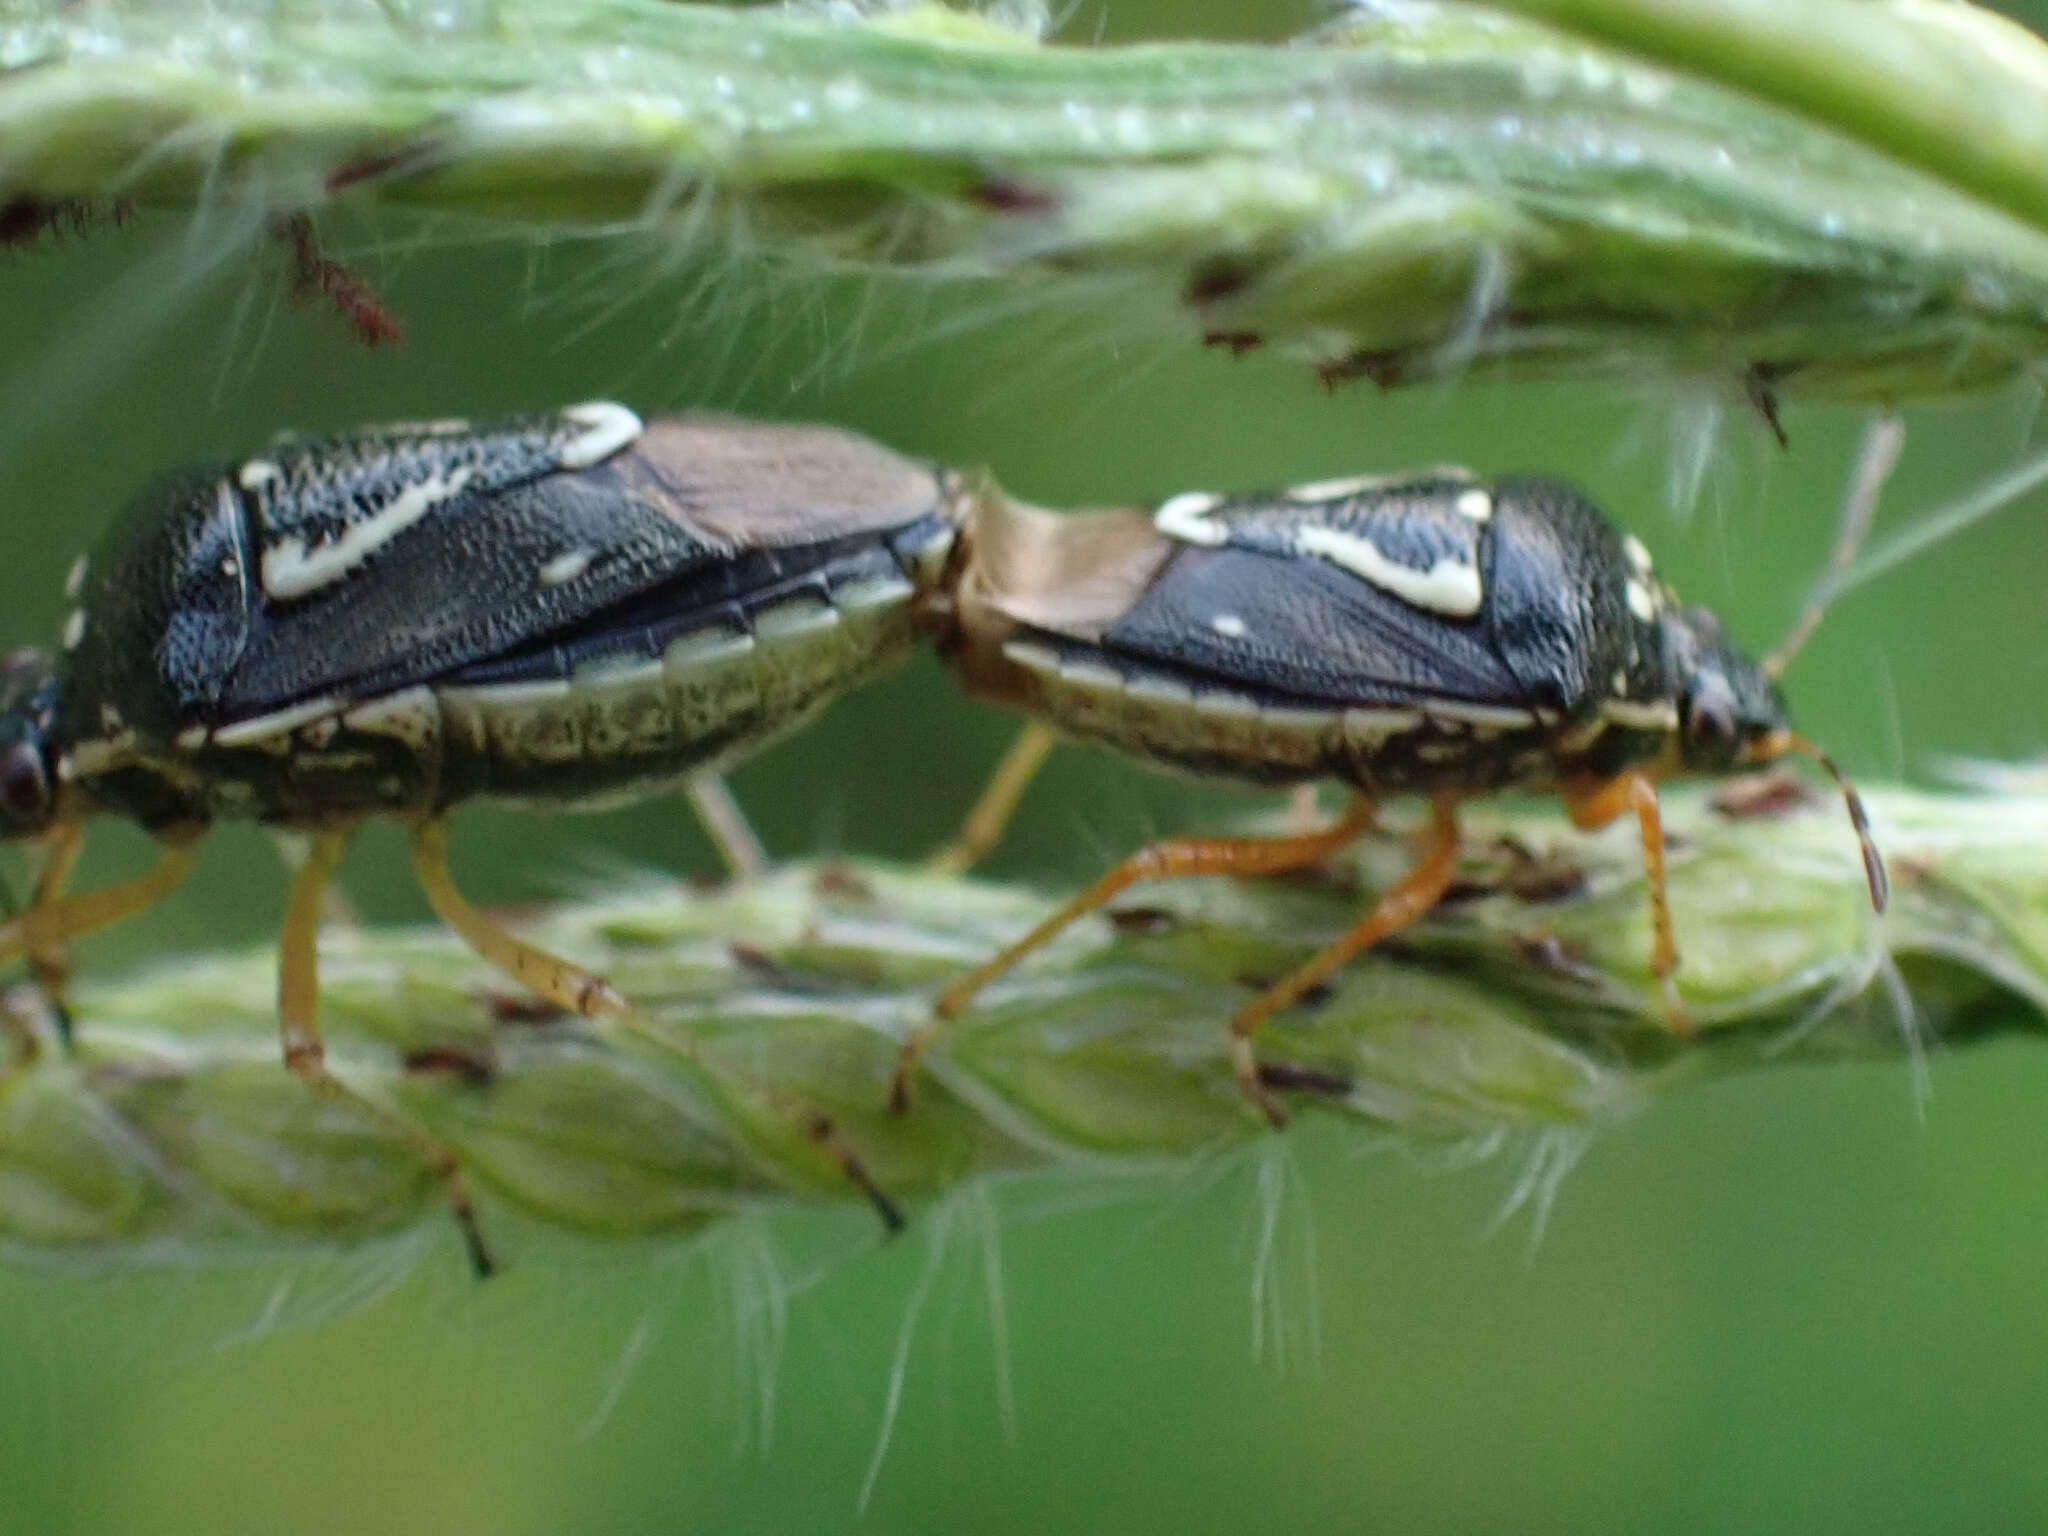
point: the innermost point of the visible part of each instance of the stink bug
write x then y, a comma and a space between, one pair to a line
566, 609
1429, 634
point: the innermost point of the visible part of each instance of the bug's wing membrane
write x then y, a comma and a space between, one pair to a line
488, 570
1301, 627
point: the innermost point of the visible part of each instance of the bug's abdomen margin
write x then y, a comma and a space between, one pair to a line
622, 707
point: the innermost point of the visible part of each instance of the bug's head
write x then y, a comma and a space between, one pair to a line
1731, 715
28, 770
1729, 709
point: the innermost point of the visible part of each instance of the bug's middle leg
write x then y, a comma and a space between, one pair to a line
1172, 859
567, 986
1593, 806
298, 1013
1419, 890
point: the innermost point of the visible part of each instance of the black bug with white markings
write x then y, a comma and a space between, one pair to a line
1428, 634
568, 609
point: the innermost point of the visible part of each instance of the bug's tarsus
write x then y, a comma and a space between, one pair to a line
1883, 443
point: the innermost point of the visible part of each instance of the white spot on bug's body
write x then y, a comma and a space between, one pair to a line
291, 570
1229, 626
1642, 601
791, 620
607, 427
110, 718
1315, 491
102, 756
1641, 717
231, 567
1379, 725
273, 729
566, 567
190, 739
74, 629
1149, 689
1450, 587
1638, 554
1031, 657
1091, 675
67, 768
1186, 517
1620, 684
256, 474
1491, 716
74, 580
1476, 504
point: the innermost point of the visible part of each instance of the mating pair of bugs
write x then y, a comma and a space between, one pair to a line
576, 608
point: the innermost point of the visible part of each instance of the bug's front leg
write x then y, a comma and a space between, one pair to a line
1419, 890
568, 987
1594, 805
54, 920
1172, 859
298, 1012
47, 963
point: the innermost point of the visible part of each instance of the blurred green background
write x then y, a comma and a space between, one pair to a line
1796, 1302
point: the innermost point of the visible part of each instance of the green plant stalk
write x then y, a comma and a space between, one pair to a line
1430, 189
1524, 1003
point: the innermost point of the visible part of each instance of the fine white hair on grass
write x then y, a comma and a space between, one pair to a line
316, 1291
937, 1224
1553, 1152
623, 1369
745, 1259
1283, 1259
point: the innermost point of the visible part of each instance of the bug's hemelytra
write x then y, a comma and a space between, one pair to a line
569, 609
1427, 634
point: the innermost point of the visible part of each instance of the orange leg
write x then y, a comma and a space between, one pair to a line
54, 921
983, 828
298, 1012
567, 986
1593, 806
47, 964
1173, 859
1422, 888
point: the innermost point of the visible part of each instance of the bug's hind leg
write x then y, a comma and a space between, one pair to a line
298, 1012
1172, 859
997, 803
576, 990
567, 986
1593, 806
1419, 890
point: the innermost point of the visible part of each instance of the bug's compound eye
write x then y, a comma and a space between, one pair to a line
24, 787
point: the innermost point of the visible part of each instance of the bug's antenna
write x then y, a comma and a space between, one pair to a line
1882, 445
1873, 861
